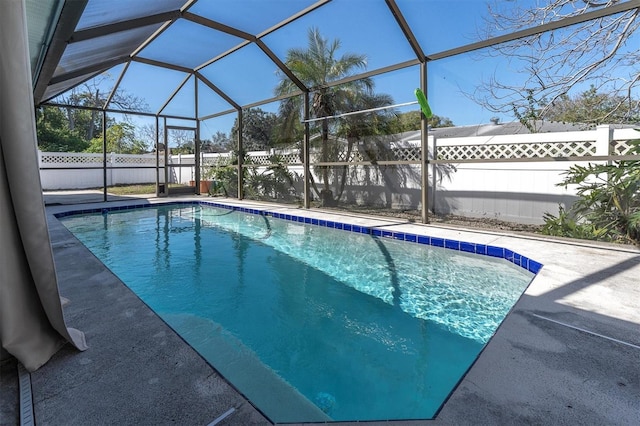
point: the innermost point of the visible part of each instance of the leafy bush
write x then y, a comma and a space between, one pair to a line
275, 182
609, 202
566, 225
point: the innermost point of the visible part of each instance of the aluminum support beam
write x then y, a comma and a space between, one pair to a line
162, 64
573, 20
305, 153
424, 138
165, 191
115, 86
104, 156
173, 95
103, 30
240, 157
93, 68
158, 155
196, 141
117, 111
218, 91
415, 45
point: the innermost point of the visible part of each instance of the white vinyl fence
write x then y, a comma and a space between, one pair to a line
519, 191
79, 170
507, 177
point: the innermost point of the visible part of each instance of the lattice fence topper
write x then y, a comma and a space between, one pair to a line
218, 161
290, 158
133, 160
267, 159
52, 158
262, 159
412, 154
528, 150
621, 147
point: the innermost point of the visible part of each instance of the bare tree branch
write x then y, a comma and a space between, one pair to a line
604, 53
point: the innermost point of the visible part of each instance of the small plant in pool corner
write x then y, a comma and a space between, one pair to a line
608, 204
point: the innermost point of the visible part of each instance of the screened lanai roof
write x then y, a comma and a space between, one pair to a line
233, 52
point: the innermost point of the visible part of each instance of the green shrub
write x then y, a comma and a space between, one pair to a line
566, 225
275, 182
609, 202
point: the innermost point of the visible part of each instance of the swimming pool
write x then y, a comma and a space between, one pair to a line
310, 322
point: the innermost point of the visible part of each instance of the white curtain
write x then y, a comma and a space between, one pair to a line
32, 326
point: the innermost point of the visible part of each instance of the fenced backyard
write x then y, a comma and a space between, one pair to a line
506, 177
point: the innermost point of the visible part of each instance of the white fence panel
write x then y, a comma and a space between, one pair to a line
78, 170
519, 191
514, 191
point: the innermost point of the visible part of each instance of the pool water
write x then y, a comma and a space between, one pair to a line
310, 323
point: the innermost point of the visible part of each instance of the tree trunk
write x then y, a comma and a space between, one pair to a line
94, 117
311, 179
350, 141
92, 127
326, 195
70, 117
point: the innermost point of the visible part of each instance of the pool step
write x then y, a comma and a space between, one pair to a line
276, 398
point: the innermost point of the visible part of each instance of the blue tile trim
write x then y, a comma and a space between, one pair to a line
534, 266
508, 254
437, 242
481, 249
468, 247
452, 244
494, 251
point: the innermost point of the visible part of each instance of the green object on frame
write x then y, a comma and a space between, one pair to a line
424, 104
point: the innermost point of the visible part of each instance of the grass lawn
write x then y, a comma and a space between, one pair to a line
132, 189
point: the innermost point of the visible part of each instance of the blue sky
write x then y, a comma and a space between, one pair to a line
363, 26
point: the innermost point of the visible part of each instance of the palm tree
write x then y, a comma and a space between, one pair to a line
317, 66
365, 128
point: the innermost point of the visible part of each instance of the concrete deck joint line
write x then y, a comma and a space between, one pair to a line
26, 398
588, 332
222, 416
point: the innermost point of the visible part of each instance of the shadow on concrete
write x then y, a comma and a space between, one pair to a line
594, 278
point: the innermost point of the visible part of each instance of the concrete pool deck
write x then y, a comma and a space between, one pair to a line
568, 353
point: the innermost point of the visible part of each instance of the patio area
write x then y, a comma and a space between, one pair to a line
568, 353
336, 111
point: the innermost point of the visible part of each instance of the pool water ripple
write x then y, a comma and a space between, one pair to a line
340, 325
